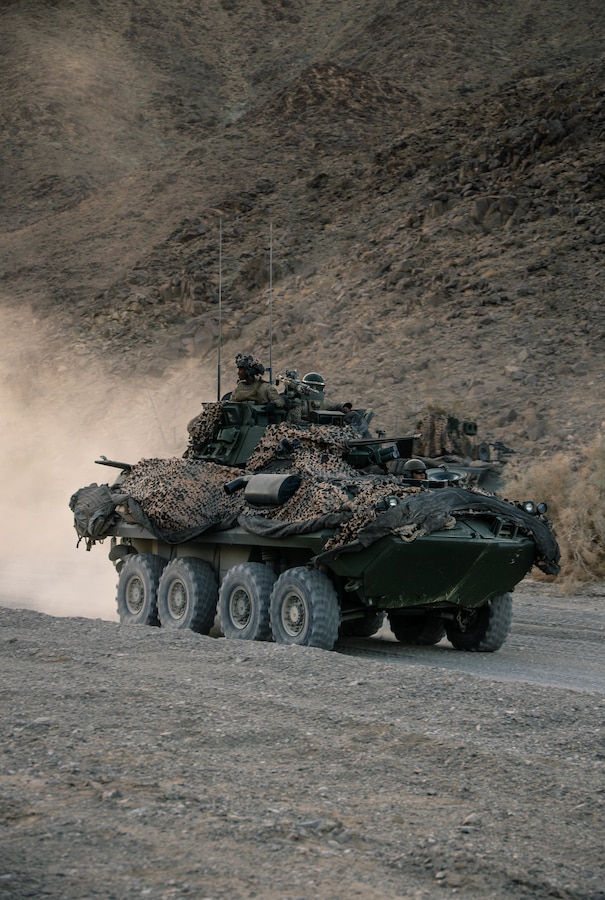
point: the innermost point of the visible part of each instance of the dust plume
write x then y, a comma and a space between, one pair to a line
61, 409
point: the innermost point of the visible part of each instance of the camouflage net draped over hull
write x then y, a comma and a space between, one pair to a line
178, 499
430, 511
328, 485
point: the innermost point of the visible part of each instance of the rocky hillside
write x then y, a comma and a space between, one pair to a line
426, 180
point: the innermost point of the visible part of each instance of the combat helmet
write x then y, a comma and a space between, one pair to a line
413, 465
252, 366
315, 381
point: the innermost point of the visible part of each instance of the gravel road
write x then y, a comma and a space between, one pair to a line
142, 763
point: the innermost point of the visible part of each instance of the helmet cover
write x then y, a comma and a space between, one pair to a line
414, 465
251, 364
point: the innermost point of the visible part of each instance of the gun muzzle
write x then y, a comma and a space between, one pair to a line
236, 485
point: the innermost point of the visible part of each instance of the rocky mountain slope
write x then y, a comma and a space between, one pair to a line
407, 197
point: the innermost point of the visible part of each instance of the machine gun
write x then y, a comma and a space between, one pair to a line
501, 449
295, 389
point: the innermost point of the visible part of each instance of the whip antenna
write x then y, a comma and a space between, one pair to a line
271, 303
220, 307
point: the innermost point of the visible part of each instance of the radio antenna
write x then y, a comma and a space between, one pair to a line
271, 302
220, 307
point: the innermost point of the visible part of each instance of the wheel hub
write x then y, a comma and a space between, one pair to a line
177, 600
241, 609
135, 595
294, 615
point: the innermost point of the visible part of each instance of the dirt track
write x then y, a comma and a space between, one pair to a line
141, 763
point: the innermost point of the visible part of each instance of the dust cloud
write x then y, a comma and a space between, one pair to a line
61, 410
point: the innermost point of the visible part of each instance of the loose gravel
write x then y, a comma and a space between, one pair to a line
137, 762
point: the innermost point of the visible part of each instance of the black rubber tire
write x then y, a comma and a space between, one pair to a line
423, 630
138, 589
187, 595
304, 609
244, 602
485, 628
366, 626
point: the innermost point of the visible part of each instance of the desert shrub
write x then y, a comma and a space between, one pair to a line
574, 490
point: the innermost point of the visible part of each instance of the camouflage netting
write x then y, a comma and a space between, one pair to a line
320, 452
178, 499
442, 435
204, 426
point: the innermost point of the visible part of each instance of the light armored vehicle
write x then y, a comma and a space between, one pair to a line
299, 533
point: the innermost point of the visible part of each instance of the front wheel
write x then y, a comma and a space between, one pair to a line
138, 587
365, 626
304, 609
244, 602
187, 595
423, 630
484, 629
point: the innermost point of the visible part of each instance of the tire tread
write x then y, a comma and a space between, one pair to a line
323, 608
203, 583
262, 580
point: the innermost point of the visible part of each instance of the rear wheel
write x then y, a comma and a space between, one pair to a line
244, 602
138, 587
187, 595
304, 609
422, 629
484, 629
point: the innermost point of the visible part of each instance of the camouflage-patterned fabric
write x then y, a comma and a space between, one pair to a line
442, 435
177, 499
204, 426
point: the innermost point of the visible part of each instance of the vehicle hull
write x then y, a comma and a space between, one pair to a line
460, 567
438, 571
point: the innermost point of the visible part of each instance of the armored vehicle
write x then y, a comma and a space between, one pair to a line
296, 532
445, 441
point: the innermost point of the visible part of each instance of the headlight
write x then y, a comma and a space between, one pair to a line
530, 507
542, 508
385, 503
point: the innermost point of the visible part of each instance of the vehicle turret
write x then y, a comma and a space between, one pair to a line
228, 432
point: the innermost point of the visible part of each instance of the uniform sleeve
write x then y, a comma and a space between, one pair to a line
268, 393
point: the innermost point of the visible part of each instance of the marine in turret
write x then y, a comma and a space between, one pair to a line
250, 387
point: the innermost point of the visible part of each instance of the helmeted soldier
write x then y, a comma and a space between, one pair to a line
316, 399
316, 387
415, 469
250, 387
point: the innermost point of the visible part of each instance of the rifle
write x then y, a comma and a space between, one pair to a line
294, 387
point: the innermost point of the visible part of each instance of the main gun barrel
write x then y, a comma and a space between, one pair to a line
126, 467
